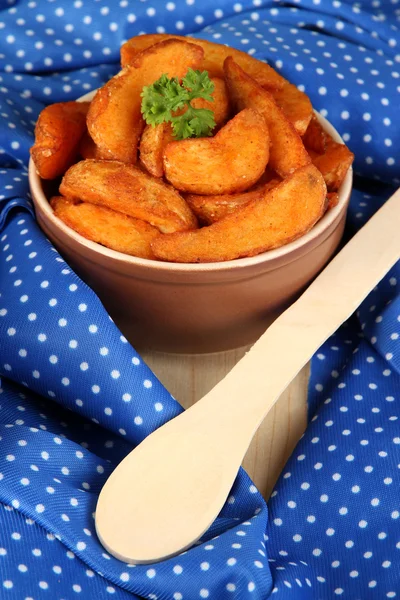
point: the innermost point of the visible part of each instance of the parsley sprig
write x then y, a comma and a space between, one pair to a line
167, 96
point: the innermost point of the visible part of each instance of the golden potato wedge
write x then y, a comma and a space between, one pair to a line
282, 215
334, 164
152, 144
287, 152
220, 105
333, 200
210, 209
295, 104
155, 138
114, 120
107, 227
87, 147
58, 132
229, 162
214, 56
316, 138
126, 189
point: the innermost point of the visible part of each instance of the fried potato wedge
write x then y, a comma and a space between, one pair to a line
114, 120
295, 104
282, 215
287, 152
106, 227
229, 162
334, 164
331, 158
210, 209
58, 132
155, 138
127, 189
219, 105
214, 56
333, 200
316, 138
87, 147
152, 144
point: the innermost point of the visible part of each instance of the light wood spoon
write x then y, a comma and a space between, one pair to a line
166, 493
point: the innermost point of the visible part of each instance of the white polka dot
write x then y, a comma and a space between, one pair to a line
151, 573
80, 546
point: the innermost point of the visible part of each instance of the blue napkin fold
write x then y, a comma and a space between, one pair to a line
75, 397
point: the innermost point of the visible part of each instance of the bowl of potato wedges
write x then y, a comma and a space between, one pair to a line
197, 192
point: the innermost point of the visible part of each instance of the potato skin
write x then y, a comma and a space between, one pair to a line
210, 209
114, 120
107, 227
58, 132
127, 189
284, 214
287, 153
202, 165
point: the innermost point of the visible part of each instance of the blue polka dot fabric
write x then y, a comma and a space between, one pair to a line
75, 397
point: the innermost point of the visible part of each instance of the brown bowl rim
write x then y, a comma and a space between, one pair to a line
40, 200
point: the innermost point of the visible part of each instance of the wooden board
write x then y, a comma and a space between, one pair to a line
190, 377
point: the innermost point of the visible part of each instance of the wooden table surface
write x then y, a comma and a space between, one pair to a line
190, 377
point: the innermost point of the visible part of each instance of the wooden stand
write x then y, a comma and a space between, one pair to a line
190, 377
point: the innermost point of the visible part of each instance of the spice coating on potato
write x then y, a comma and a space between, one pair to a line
107, 227
287, 152
214, 56
210, 209
58, 132
284, 214
114, 120
231, 161
128, 190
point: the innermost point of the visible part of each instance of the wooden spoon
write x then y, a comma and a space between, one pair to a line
166, 493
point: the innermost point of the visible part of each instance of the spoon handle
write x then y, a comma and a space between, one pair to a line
281, 352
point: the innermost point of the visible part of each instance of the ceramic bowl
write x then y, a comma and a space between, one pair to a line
195, 308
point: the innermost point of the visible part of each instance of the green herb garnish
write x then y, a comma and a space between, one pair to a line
167, 95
